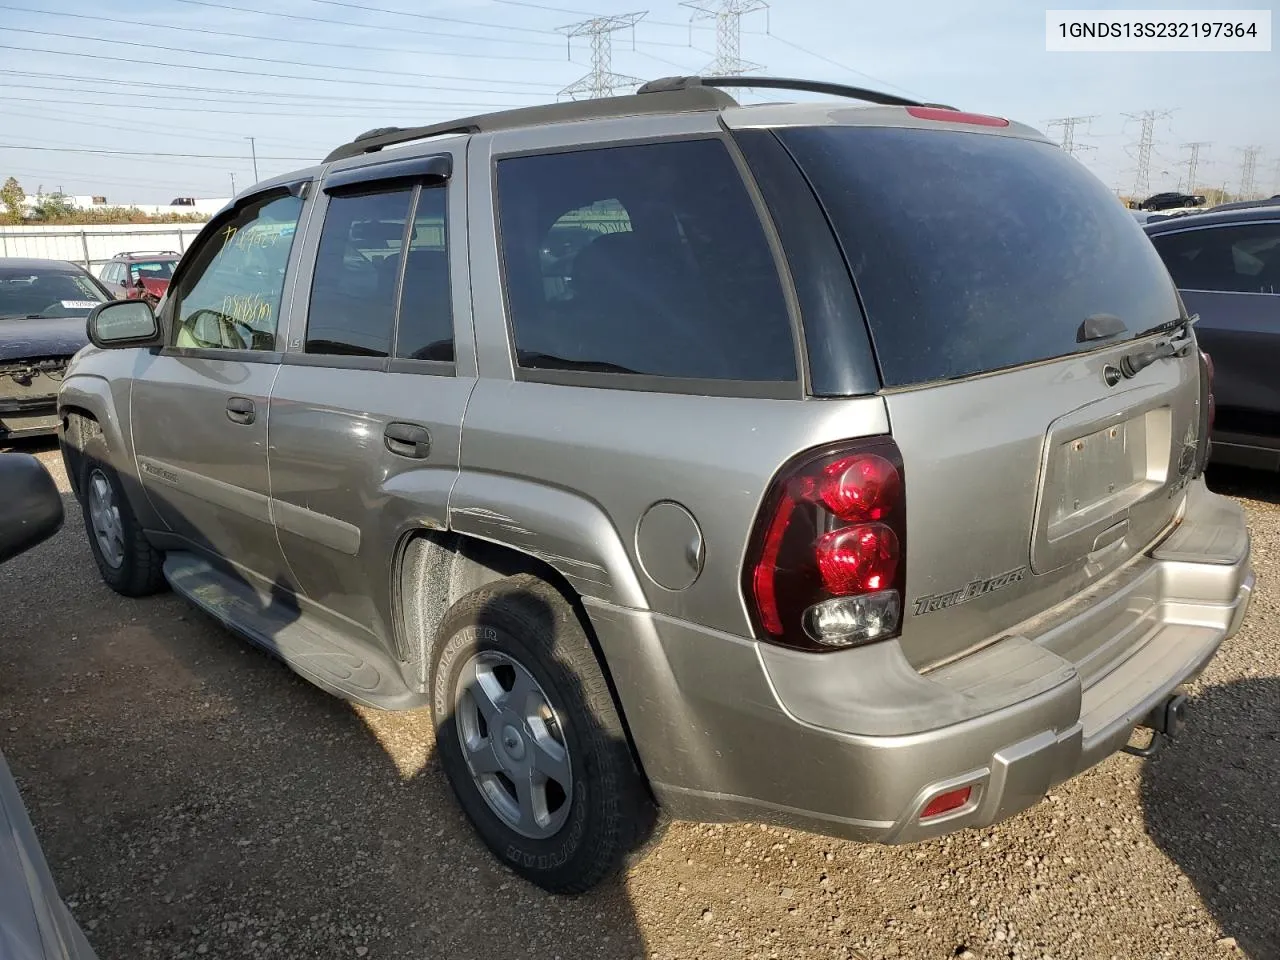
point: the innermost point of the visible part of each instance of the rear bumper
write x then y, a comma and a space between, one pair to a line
855, 744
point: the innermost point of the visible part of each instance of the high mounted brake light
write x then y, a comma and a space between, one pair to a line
956, 116
827, 563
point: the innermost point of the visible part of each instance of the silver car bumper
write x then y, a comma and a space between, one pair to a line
856, 744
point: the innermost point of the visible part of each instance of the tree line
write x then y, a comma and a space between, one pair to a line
58, 209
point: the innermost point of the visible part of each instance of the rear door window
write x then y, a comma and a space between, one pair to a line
642, 259
353, 296
1243, 258
425, 329
975, 252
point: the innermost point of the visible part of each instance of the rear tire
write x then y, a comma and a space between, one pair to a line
126, 560
530, 738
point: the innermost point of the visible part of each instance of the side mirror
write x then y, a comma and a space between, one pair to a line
123, 323
33, 506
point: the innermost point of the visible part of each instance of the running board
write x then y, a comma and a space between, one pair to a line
314, 651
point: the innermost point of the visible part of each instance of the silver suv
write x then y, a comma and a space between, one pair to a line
822, 464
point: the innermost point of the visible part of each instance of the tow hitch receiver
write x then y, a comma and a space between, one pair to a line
1165, 721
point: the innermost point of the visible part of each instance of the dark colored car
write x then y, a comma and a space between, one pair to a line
1171, 201
133, 276
1226, 265
43, 306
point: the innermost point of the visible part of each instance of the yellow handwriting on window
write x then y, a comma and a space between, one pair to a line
247, 308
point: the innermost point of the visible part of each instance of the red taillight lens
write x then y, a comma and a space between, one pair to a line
956, 116
858, 559
827, 563
863, 487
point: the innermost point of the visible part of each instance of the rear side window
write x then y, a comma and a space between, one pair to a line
1237, 259
646, 259
353, 294
975, 252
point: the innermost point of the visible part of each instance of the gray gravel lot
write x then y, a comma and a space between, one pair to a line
196, 799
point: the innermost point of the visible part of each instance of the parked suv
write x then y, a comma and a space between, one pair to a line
839, 469
1227, 268
138, 275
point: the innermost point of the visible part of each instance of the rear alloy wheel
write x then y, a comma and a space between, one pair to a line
530, 738
513, 744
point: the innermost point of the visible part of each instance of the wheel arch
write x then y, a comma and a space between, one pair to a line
434, 569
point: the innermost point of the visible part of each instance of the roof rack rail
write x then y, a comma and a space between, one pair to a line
675, 100
666, 84
147, 253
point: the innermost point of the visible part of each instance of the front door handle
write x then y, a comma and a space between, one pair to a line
407, 440
241, 410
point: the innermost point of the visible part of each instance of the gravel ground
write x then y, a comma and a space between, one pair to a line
196, 799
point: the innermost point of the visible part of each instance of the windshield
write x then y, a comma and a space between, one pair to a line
152, 269
975, 252
46, 292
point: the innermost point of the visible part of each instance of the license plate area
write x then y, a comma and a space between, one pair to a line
1096, 470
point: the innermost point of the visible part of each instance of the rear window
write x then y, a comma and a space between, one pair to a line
976, 252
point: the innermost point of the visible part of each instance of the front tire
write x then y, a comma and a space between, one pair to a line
127, 561
530, 738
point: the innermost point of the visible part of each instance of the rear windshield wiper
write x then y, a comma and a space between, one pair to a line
1132, 363
1168, 326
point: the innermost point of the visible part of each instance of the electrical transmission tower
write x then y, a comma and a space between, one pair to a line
601, 81
1193, 162
728, 16
1068, 125
1248, 169
1146, 140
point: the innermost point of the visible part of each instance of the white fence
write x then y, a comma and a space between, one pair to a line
92, 246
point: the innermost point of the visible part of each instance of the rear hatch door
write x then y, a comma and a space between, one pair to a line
1004, 287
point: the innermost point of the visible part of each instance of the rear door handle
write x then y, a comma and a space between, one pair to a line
407, 440
241, 410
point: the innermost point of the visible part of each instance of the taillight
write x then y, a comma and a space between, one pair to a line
828, 560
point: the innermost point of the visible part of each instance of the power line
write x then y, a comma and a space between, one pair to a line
362, 26
842, 66
255, 73
1193, 161
728, 16
146, 153
302, 98
151, 25
188, 99
1068, 125
601, 81
292, 63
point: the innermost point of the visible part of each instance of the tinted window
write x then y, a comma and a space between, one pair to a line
229, 298
41, 291
1240, 259
641, 259
353, 295
425, 330
974, 252
109, 273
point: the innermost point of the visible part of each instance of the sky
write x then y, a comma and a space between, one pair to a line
195, 79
